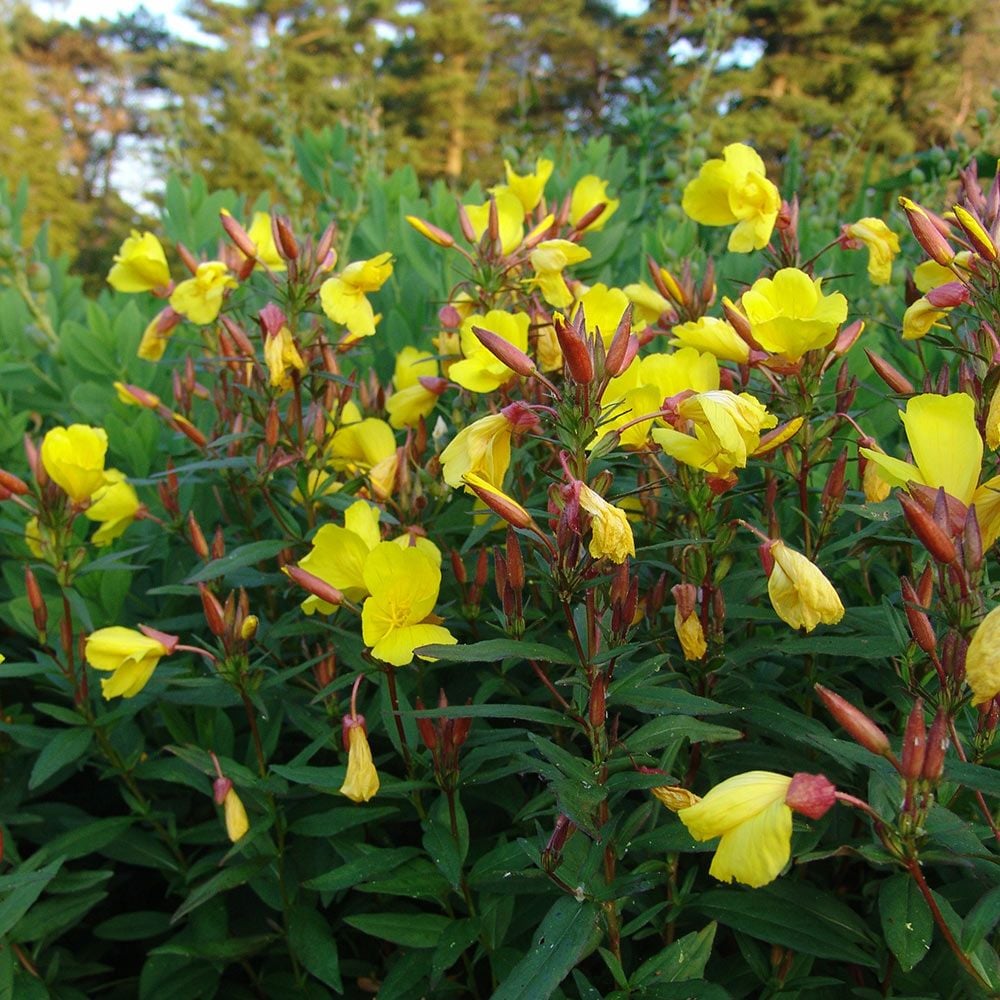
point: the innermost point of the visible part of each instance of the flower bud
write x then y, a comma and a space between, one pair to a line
976, 233
317, 587
575, 350
920, 624
812, 795
284, 238
927, 233
36, 602
238, 235
431, 232
937, 747
948, 295
895, 380
513, 357
237, 823
214, 614
220, 789
847, 338
923, 525
857, 725
914, 743
197, 537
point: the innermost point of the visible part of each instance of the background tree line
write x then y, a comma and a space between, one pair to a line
450, 86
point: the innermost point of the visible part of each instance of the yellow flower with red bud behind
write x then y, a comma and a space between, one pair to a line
261, 234
131, 656
140, 265
73, 458
510, 218
610, 532
344, 297
114, 505
549, 259
800, 594
687, 624
882, 244
920, 318
157, 334
603, 308
480, 370
483, 447
529, 187
589, 192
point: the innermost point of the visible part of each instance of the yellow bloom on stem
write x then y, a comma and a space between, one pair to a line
140, 265
338, 555
261, 235
282, 357
510, 215
588, 193
648, 305
157, 334
480, 370
549, 259
930, 274
411, 399
73, 457
800, 594
982, 661
361, 781
114, 505
920, 318
237, 823
610, 532
404, 586
529, 187
735, 189
359, 447
708, 333
131, 656
199, 299
343, 297
789, 314
483, 448
691, 635
882, 243
603, 308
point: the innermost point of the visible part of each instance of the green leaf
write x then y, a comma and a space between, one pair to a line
225, 880
21, 889
373, 863
569, 931
138, 926
525, 713
64, 749
412, 930
494, 650
245, 555
658, 732
315, 947
457, 936
906, 920
685, 959
981, 920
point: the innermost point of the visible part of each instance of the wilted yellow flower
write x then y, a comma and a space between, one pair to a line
708, 333
735, 190
549, 259
73, 457
156, 336
361, 781
603, 308
882, 243
404, 585
261, 235
691, 634
114, 505
237, 823
648, 305
282, 357
930, 274
588, 192
343, 297
800, 593
789, 314
131, 655
920, 318
982, 661
140, 265
510, 215
548, 351
749, 813
199, 299
610, 532
674, 797
529, 187
483, 448
873, 483
480, 370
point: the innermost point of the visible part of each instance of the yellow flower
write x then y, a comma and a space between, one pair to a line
411, 400
338, 555
549, 259
648, 305
404, 585
359, 447
157, 334
140, 265
735, 189
588, 192
604, 308
691, 634
237, 823
114, 505
610, 532
982, 661
261, 236
547, 349
282, 357
529, 187
483, 448
361, 781
36, 541
510, 215
930, 274
714, 335
749, 813
920, 317
73, 457
131, 655
800, 593
199, 299
343, 297
790, 315
726, 431
481, 370
882, 243
993, 421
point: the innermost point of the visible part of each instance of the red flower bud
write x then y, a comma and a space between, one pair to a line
813, 795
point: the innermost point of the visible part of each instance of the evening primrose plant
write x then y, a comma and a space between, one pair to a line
500, 611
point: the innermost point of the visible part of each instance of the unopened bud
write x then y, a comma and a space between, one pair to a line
923, 525
513, 357
848, 337
976, 233
431, 232
927, 233
937, 747
284, 238
36, 602
248, 629
576, 353
920, 624
589, 218
598, 699
894, 379
623, 347
515, 562
738, 321
857, 725
949, 295
214, 615
13, 484
238, 234
914, 743
812, 795
197, 537
220, 789
317, 587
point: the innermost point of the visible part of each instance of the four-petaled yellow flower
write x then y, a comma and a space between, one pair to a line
800, 593
882, 243
735, 190
529, 187
73, 457
344, 297
115, 505
140, 265
131, 655
483, 448
610, 532
709, 333
510, 216
603, 308
361, 781
480, 370
549, 259
588, 193
397, 617
789, 314
199, 299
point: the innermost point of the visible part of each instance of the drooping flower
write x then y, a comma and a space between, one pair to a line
237, 823
365, 447
199, 299
140, 265
397, 617
687, 624
882, 243
930, 274
589, 192
529, 187
480, 370
982, 660
344, 297
800, 594
114, 505
735, 189
156, 336
131, 656
610, 532
789, 314
549, 259
361, 781
648, 305
483, 448
510, 216
920, 318
73, 457
411, 398
283, 358
716, 336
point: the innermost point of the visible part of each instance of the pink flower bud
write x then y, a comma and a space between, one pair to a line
813, 795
